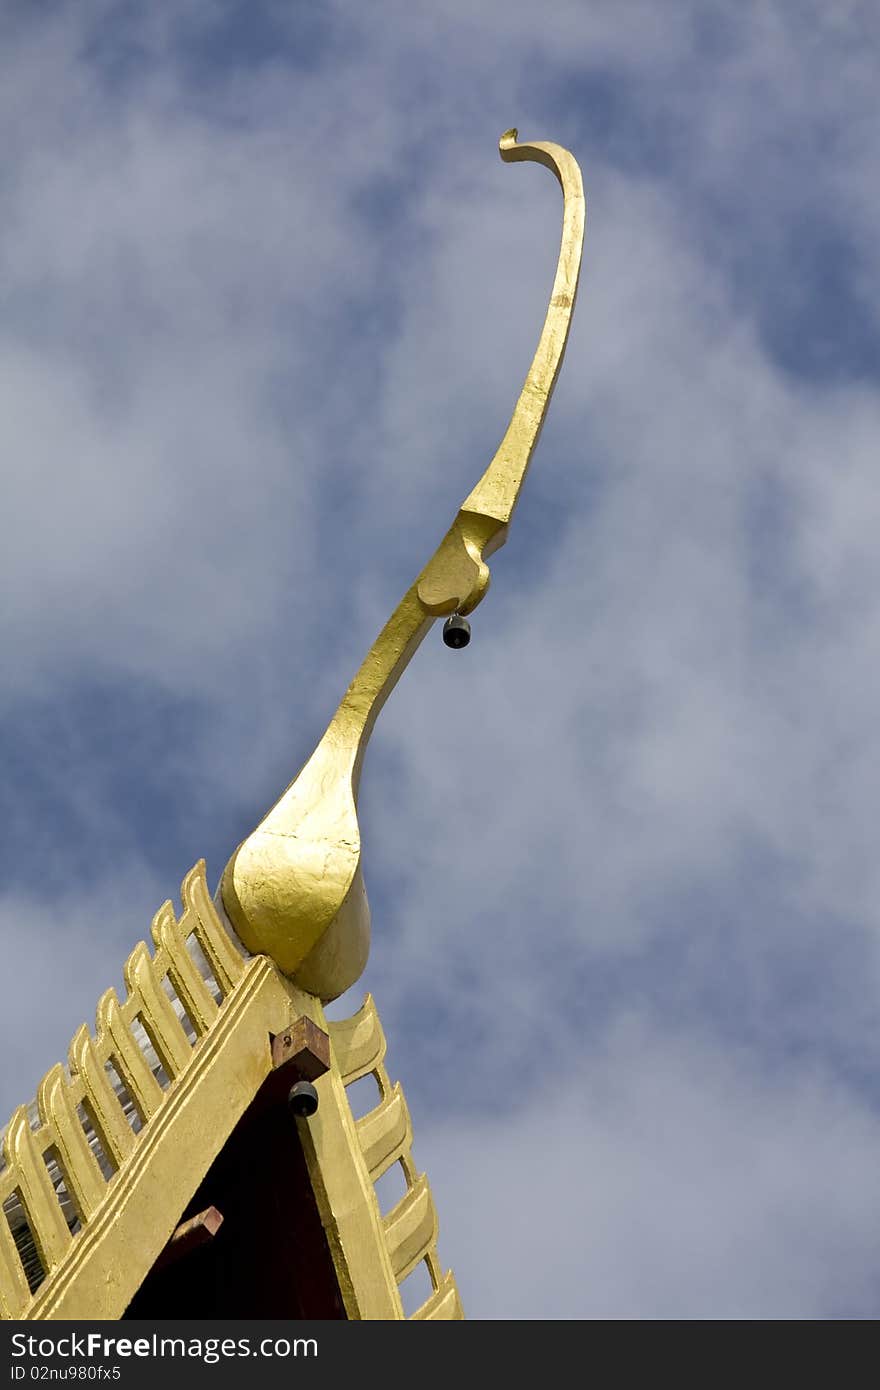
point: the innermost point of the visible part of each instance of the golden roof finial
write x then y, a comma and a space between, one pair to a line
294, 888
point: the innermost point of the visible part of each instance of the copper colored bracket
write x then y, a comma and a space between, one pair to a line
189, 1235
300, 1053
302, 1050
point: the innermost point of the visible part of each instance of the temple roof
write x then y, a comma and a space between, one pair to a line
98, 1173
100, 1176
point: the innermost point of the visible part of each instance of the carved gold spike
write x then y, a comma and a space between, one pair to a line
81, 1171
188, 984
495, 495
157, 1015
293, 889
38, 1195
200, 918
130, 1062
14, 1291
114, 1131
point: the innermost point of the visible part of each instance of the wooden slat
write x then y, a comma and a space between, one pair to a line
189, 1235
358, 1042
385, 1133
411, 1228
444, 1304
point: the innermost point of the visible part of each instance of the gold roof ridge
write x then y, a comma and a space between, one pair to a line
89, 1199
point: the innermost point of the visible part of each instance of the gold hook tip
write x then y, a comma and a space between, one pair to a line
508, 140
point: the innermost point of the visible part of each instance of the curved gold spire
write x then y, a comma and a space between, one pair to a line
294, 888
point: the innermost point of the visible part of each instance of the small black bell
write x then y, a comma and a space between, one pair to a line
303, 1099
456, 632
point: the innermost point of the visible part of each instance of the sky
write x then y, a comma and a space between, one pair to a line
267, 298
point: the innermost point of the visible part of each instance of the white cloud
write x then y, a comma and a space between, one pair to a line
258, 339
666, 1180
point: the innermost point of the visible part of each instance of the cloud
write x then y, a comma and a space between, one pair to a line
268, 298
667, 1181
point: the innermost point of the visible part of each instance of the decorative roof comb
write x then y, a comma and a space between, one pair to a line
294, 888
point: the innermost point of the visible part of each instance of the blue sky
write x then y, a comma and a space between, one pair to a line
267, 296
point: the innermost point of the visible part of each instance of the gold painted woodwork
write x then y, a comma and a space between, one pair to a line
408, 1234
119, 1203
94, 1264
294, 888
191, 1064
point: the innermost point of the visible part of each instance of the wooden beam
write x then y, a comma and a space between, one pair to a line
303, 1048
189, 1235
300, 1053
